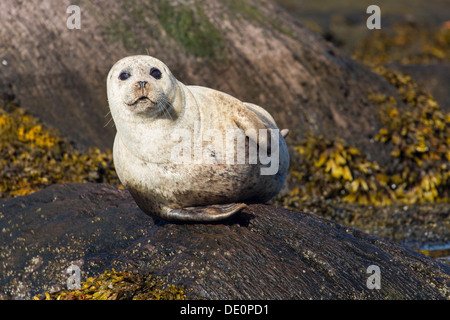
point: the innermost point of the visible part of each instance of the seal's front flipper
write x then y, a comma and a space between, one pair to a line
213, 212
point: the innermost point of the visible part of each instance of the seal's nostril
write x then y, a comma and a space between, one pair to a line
142, 84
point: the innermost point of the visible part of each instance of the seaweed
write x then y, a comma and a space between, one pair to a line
406, 43
33, 156
123, 285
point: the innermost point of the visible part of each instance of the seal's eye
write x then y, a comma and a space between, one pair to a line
155, 73
124, 76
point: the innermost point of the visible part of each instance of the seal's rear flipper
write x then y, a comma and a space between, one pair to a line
213, 212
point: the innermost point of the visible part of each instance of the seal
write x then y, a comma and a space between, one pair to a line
190, 153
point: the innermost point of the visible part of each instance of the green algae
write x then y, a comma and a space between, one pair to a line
129, 29
186, 24
252, 13
190, 27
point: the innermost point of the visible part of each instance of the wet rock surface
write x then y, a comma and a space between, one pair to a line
414, 225
265, 252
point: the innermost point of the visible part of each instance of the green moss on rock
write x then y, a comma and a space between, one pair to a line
253, 13
190, 27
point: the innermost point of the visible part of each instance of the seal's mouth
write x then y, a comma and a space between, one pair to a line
144, 99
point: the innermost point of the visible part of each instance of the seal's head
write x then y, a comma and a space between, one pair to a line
141, 86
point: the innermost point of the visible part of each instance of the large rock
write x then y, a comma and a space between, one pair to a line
263, 253
251, 49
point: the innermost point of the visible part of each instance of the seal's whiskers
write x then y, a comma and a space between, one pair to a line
165, 106
109, 121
